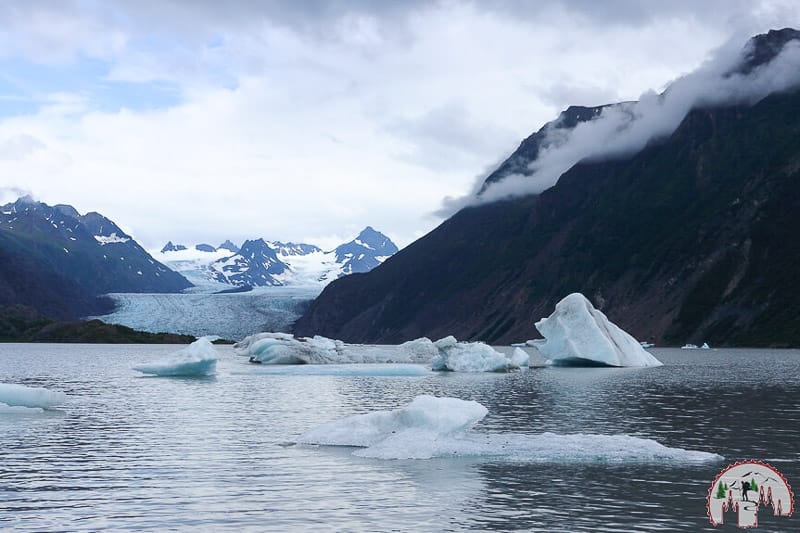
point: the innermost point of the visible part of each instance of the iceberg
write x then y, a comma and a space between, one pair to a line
370, 370
20, 396
577, 334
444, 354
197, 359
470, 357
431, 427
285, 349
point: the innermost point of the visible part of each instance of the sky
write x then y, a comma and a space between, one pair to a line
199, 121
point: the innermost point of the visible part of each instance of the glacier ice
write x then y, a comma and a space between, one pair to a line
285, 349
197, 359
469, 357
13, 396
431, 427
371, 370
577, 334
444, 354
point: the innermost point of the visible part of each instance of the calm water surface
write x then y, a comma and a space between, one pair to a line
136, 453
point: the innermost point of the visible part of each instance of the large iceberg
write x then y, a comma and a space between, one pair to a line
444, 354
431, 427
472, 357
20, 396
285, 349
197, 359
577, 334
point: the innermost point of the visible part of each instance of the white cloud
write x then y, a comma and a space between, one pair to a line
297, 120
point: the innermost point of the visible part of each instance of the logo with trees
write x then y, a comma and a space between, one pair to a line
743, 488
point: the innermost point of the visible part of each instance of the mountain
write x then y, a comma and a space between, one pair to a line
60, 262
169, 247
276, 263
692, 238
365, 252
228, 245
256, 264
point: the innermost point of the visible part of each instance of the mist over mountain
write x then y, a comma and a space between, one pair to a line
676, 215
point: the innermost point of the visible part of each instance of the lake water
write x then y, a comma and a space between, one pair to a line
135, 453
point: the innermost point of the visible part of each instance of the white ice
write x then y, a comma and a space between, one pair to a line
384, 370
444, 354
20, 396
471, 357
578, 334
431, 427
285, 349
197, 359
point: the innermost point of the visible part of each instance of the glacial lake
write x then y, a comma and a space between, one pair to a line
127, 452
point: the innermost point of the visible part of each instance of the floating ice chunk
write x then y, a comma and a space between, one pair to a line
520, 357
705, 346
432, 427
32, 397
285, 349
469, 357
386, 370
689, 347
577, 334
425, 414
197, 359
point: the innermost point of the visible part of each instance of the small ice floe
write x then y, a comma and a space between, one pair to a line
431, 427
705, 346
474, 357
197, 359
646, 344
20, 399
577, 334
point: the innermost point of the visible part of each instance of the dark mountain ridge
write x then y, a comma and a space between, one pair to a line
60, 262
691, 239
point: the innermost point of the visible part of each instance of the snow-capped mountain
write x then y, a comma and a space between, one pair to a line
256, 265
365, 252
58, 261
262, 263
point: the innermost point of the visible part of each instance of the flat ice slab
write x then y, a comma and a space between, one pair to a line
431, 427
285, 349
197, 359
444, 354
577, 334
28, 397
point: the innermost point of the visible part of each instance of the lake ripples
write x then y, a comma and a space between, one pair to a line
127, 452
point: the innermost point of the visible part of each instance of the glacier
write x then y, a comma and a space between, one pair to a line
430, 427
444, 354
577, 334
14, 398
196, 360
230, 316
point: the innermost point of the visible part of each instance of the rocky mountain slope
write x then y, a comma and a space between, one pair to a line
692, 238
59, 262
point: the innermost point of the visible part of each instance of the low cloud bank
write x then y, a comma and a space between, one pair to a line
626, 128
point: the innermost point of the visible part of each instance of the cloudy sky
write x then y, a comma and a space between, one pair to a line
198, 120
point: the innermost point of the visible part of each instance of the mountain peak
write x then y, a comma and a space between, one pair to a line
763, 48
169, 247
228, 245
67, 210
